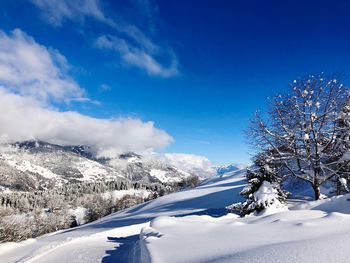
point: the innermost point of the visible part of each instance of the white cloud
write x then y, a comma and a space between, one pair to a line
191, 163
57, 11
134, 47
23, 118
138, 56
32, 77
135, 34
104, 87
29, 68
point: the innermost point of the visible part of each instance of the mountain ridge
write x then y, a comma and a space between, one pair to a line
33, 164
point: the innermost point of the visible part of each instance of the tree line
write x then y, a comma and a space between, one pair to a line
30, 214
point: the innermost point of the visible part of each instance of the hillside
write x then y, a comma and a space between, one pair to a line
194, 222
113, 238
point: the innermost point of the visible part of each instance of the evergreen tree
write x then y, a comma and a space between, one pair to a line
263, 191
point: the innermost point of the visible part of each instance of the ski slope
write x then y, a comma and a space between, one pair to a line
115, 238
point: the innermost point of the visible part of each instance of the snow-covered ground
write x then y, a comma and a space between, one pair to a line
114, 238
292, 236
191, 226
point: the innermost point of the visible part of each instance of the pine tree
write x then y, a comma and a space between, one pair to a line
263, 191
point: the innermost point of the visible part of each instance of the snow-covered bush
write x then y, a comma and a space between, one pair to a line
20, 226
15, 227
262, 192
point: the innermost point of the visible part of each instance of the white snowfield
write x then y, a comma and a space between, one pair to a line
190, 226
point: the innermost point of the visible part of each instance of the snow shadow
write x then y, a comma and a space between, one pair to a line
214, 212
125, 252
209, 204
212, 204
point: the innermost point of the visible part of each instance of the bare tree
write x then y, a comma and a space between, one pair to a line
300, 131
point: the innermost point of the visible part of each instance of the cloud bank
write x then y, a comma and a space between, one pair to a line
31, 77
30, 69
23, 118
191, 163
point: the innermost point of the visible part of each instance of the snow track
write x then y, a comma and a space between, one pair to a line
102, 246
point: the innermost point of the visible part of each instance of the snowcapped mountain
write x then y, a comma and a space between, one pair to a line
195, 164
30, 165
221, 170
39, 165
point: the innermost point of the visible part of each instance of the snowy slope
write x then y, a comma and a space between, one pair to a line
307, 232
317, 231
293, 236
113, 237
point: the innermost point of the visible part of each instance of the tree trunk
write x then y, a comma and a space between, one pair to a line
317, 191
316, 183
338, 188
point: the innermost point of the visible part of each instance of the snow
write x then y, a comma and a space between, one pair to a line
118, 194
188, 163
344, 183
92, 170
116, 236
26, 166
290, 236
304, 93
224, 169
4, 189
268, 195
44, 164
79, 213
161, 175
192, 226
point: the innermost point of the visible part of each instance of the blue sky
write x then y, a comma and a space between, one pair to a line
197, 69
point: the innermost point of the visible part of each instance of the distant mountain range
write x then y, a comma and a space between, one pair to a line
224, 169
30, 165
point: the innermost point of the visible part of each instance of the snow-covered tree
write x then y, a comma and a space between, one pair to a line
299, 134
263, 191
342, 150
